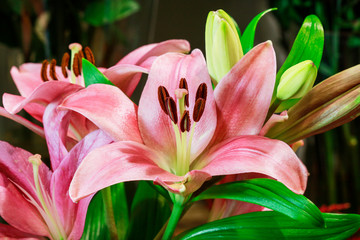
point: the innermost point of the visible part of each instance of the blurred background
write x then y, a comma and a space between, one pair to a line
34, 30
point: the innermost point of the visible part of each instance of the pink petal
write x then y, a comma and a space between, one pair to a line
44, 93
155, 126
14, 165
33, 127
109, 108
56, 124
18, 211
125, 76
27, 78
8, 232
117, 162
140, 55
73, 215
243, 96
255, 154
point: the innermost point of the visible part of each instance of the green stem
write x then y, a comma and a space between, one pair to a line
174, 219
106, 194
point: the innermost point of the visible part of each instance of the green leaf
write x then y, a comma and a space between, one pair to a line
268, 193
273, 225
92, 75
107, 11
247, 38
96, 226
308, 45
149, 212
95, 223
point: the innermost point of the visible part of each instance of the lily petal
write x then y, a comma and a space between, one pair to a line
55, 126
44, 93
155, 126
251, 82
109, 108
8, 232
255, 154
33, 127
140, 55
117, 162
18, 211
73, 215
27, 78
14, 165
125, 76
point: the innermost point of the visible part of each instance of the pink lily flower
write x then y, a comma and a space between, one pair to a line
37, 86
34, 200
189, 132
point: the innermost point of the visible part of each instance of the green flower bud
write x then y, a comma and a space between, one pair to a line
297, 81
222, 43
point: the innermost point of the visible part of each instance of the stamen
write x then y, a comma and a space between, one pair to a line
198, 109
65, 64
77, 64
183, 84
185, 122
52, 69
201, 92
89, 55
43, 73
162, 95
171, 109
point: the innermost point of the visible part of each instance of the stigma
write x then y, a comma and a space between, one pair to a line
183, 120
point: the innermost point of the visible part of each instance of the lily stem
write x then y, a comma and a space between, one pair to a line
174, 218
106, 194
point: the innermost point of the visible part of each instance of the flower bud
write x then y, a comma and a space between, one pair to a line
222, 43
331, 103
297, 81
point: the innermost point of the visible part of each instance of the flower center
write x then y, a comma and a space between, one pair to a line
48, 208
183, 129
75, 66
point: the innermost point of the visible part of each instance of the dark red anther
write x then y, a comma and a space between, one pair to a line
183, 84
65, 64
89, 55
162, 95
43, 72
171, 109
201, 92
52, 69
198, 109
185, 122
77, 64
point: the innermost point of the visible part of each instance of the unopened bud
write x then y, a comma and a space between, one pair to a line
222, 43
297, 81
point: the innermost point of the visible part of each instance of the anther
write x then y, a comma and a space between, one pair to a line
171, 109
162, 95
198, 109
65, 64
52, 69
183, 84
77, 64
43, 73
185, 122
201, 92
89, 55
